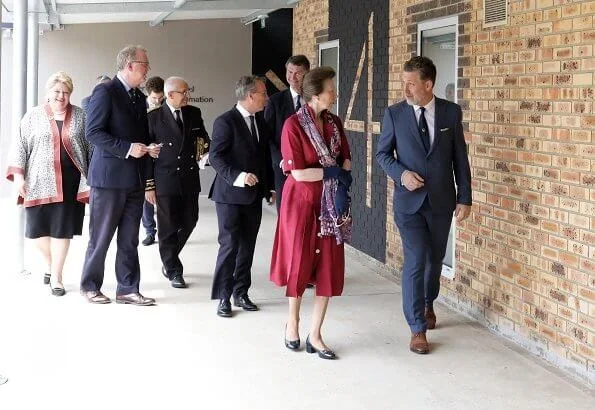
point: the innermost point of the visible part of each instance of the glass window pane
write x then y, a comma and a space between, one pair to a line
330, 57
439, 45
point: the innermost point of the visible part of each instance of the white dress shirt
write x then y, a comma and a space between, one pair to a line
239, 182
246, 116
126, 85
173, 111
295, 96
430, 115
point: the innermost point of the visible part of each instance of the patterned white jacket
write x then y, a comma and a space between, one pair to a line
35, 154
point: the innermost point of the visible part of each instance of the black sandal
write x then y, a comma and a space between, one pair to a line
58, 289
46, 278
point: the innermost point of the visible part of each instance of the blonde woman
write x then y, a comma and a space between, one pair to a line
48, 164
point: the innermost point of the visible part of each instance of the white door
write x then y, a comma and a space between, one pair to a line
437, 39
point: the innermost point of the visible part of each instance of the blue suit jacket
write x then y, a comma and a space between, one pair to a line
232, 151
446, 162
279, 108
113, 124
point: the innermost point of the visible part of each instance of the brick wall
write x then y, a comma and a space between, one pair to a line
310, 28
526, 256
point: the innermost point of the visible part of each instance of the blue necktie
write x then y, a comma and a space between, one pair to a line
424, 130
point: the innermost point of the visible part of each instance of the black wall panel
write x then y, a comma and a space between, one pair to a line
348, 23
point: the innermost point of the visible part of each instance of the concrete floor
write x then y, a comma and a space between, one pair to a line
63, 353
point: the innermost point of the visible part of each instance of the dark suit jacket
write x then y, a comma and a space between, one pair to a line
175, 172
279, 108
114, 122
85, 103
233, 150
447, 155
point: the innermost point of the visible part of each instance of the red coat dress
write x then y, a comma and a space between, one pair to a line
300, 254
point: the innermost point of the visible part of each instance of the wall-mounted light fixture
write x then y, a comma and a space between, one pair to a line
259, 15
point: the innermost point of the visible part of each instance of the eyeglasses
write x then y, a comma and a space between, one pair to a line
186, 93
145, 63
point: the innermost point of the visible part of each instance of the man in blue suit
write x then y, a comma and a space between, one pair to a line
422, 148
240, 154
118, 129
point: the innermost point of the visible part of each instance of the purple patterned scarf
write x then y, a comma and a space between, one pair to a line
328, 158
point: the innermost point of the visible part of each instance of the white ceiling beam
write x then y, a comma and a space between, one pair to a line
166, 6
52, 16
161, 18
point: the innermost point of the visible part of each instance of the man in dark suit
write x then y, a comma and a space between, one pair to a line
426, 134
174, 182
100, 79
240, 154
281, 106
154, 88
118, 129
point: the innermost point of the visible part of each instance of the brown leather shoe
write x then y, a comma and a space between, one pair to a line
95, 296
135, 299
418, 343
430, 317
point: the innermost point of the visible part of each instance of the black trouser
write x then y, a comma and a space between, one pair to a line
177, 216
113, 209
238, 229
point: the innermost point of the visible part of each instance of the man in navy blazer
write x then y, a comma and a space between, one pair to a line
118, 129
422, 148
240, 154
280, 107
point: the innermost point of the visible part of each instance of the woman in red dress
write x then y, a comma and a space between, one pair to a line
314, 219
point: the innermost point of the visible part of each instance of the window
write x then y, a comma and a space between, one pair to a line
328, 55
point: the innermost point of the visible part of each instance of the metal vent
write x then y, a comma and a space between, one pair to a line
495, 12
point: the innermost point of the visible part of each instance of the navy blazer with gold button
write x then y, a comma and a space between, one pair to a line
115, 120
175, 172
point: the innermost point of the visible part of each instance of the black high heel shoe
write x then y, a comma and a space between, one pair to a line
323, 354
46, 278
291, 344
57, 289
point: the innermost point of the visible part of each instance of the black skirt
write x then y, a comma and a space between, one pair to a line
63, 219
